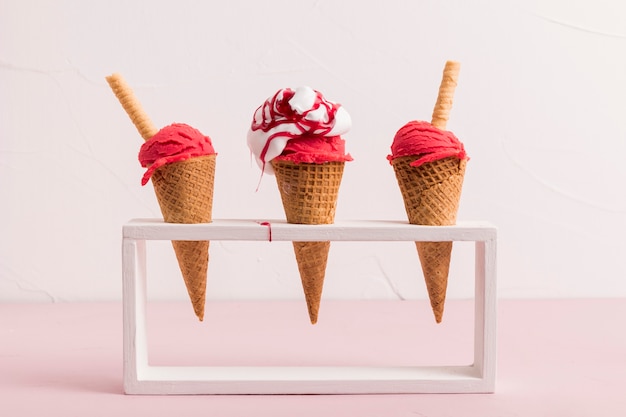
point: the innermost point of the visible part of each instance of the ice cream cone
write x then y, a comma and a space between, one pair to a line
184, 191
296, 136
431, 194
309, 195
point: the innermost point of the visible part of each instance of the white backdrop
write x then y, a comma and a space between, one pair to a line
540, 107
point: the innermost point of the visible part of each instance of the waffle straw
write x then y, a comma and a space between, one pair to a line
132, 106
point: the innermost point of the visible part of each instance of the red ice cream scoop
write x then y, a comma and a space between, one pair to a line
174, 143
426, 142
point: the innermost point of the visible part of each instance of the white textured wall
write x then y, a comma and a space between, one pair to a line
540, 107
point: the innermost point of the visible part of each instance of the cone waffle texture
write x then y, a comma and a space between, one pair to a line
431, 194
185, 193
309, 195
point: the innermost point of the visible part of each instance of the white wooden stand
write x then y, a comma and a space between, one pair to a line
141, 378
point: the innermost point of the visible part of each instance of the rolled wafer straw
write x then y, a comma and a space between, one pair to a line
132, 106
441, 112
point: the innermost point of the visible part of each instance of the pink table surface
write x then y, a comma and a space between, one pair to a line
555, 357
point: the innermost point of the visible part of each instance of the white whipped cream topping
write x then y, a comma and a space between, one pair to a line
303, 102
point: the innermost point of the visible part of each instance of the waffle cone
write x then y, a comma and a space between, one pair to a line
309, 195
431, 194
184, 191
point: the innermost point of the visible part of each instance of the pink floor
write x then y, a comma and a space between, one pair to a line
555, 358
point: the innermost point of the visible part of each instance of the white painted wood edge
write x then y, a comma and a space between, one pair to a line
171, 380
259, 230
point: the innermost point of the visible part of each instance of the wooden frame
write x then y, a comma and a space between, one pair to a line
141, 378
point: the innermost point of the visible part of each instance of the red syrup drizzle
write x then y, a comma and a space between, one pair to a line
269, 228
